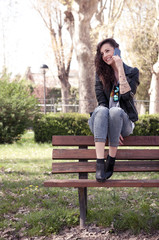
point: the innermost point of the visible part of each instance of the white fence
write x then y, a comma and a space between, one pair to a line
51, 106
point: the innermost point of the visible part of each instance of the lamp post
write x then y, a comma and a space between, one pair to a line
44, 67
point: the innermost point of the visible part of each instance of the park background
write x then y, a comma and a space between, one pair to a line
47, 81
64, 34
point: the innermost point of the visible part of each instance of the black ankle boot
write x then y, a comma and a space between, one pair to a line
109, 166
100, 170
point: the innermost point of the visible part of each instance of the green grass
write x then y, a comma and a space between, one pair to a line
29, 209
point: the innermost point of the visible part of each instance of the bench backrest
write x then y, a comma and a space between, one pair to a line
131, 157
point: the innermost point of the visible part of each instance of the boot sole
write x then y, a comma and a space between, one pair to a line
100, 180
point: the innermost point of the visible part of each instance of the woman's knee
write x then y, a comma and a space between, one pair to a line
99, 116
115, 113
102, 111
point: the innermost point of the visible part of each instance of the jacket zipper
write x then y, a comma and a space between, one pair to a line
133, 107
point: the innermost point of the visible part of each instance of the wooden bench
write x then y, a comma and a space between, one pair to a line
128, 160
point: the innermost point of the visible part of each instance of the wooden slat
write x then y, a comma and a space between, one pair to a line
126, 154
120, 166
89, 141
94, 183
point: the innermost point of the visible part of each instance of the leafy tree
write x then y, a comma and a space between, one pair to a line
145, 50
140, 41
17, 108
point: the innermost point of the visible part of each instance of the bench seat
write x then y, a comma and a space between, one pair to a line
109, 183
120, 166
76, 155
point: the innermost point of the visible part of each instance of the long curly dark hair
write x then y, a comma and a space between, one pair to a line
103, 70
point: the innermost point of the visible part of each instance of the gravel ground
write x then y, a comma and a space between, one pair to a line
91, 232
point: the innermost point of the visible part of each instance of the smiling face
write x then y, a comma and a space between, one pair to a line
107, 51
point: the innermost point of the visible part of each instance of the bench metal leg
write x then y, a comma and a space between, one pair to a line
82, 192
83, 205
85, 192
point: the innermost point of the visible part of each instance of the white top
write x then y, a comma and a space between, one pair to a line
112, 103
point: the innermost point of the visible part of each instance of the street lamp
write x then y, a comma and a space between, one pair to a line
44, 67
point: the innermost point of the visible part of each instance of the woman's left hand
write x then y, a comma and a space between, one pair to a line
121, 139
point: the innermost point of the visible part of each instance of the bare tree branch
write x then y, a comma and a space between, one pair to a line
41, 15
119, 12
109, 12
51, 14
60, 41
99, 12
102, 8
69, 60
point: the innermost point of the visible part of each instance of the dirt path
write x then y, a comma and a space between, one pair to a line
92, 232
96, 233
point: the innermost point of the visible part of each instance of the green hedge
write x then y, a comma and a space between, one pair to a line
60, 124
77, 124
147, 125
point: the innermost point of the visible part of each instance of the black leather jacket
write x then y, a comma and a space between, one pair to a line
126, 100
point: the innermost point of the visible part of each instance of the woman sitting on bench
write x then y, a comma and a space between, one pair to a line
115, 87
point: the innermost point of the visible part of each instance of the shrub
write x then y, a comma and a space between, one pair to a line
77, 124
17, 108
147, 125
60, 124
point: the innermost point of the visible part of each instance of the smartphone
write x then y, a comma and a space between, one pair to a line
117, 52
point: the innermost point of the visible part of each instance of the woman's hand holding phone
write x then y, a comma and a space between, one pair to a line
117, 58
117, 52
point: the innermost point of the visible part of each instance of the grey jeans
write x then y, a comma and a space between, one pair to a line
110, 123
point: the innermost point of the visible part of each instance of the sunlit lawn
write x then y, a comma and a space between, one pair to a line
29, 209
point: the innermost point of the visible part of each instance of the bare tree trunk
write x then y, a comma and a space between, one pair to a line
54, 20
83, 12
63, 66
65, 92
154, 87
154, 90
